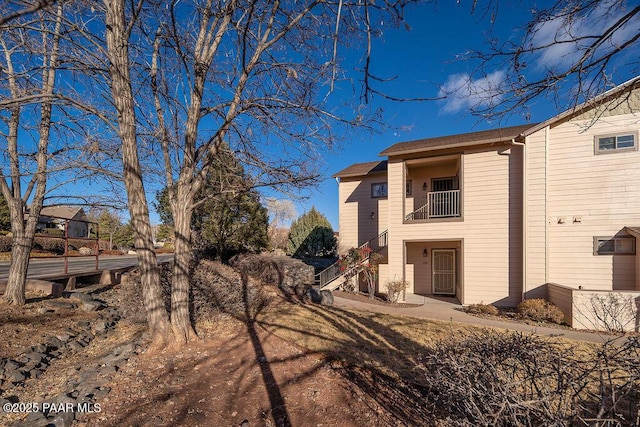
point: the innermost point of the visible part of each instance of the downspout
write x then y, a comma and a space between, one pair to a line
546, 205
524, 217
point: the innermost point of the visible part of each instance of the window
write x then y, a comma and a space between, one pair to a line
445, 184
612, 143
625, 245
379, 190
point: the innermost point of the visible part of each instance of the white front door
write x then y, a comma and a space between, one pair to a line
443, 267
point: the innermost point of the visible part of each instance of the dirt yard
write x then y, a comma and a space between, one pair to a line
237, 373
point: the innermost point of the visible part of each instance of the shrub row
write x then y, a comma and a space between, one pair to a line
49, 244
512, 379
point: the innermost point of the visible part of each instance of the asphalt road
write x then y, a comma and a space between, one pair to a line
49, 268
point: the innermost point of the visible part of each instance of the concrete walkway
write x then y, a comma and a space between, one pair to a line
446, 310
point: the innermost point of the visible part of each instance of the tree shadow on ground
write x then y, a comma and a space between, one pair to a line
374, 358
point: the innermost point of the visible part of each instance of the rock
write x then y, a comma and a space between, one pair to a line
125, 348
76, 345
91, 306
36, 357
35, 373
36, 419
40, 348
108, 370
326, 298
82, 296
16, 376
101, 393
63, 419
320, 297
83, 324
10, 365
85, 251
59, 304
301, 290
99, 327
64, 337
54, 342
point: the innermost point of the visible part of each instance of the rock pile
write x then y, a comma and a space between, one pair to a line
87, 384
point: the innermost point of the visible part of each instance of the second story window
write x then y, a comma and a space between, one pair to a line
379, 190
613, 143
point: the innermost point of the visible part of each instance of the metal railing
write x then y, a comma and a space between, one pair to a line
332, 272
440, 204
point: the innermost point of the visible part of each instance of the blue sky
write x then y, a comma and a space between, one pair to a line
423, 59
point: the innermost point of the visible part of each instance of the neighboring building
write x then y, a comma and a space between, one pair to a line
55, 217
547, 210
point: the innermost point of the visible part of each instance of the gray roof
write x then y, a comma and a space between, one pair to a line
66, 212
360, 169
459, 140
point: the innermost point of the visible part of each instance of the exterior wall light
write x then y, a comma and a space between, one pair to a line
424, 253
424, 187
373, 215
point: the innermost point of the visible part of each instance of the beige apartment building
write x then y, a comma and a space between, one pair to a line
548, 210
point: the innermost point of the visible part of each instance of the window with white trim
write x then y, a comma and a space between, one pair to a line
378, 190
613, 143
624, 245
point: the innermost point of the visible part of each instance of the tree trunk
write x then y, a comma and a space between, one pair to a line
20, 250
182, 256
119, 69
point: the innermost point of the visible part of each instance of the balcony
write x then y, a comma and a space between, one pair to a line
440, 204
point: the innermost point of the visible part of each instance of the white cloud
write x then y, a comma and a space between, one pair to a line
461, 92
564, 39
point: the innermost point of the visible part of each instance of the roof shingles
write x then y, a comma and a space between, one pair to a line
481, 137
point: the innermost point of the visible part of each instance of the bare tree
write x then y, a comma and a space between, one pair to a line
17, 79
249, 74
23, 8
118, 32
567, 52
280, 212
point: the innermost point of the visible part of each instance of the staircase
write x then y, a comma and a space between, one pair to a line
331, 277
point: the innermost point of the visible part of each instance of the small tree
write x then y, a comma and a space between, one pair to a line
311, 235
110, 224
280, 212
359, 261
229, 217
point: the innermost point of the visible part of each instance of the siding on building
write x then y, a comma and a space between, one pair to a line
356, 205
491, 265
586, 195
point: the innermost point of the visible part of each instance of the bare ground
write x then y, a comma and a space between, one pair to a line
238, 372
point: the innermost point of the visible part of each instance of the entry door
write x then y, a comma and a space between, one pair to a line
443, 266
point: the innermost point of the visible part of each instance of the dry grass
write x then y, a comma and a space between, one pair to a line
405, 352
383, 342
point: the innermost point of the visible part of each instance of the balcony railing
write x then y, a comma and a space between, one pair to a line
440, 204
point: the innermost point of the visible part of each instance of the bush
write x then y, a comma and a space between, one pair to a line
5, 243
111, 252
540, 310
53, 232
395, 288
275, 270
482, 309
311, 235
510, 379
49, 244
219, 288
